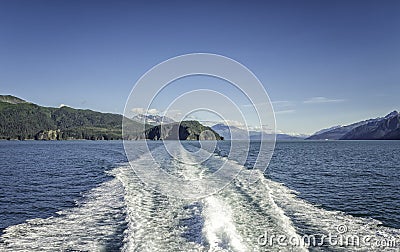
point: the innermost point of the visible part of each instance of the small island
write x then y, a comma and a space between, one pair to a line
185, 130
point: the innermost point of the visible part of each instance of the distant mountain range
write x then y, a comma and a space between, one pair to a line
327, 130
382, 128
235, 133
22, 120
230, 132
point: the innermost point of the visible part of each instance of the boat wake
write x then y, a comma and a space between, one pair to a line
124, 214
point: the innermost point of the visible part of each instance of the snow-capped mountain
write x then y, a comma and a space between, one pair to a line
378, 128
328, 129
152, 119
386, 128
230, 132
235, 133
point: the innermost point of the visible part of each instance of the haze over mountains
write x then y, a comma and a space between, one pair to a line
226, 132
21, 120
385, 128
235, 133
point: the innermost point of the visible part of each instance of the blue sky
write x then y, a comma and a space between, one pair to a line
322, 63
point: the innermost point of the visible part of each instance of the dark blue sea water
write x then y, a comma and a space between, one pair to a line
358, 177
38, 178
82, 195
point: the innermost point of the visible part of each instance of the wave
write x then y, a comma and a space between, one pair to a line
124, 214
310, 219
93, 225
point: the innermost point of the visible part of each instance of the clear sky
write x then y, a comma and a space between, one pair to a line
322, 63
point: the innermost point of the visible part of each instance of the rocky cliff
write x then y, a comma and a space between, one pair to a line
387, 127
186, 130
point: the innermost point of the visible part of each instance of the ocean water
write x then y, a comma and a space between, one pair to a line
84, 196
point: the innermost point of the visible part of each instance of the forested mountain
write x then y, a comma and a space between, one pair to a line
23, 120
11, 99
185, 130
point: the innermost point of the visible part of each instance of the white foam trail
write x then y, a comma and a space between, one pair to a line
231, 220
90, 226
313, 219
153, 215
254, 212
154, 220
220, 228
